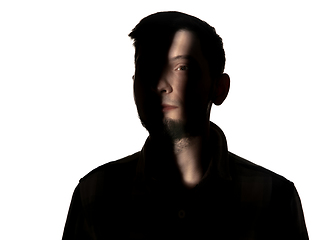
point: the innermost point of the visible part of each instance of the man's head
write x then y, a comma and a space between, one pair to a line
157, 29
179, 63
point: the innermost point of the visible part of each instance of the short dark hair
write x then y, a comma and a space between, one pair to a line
156, 28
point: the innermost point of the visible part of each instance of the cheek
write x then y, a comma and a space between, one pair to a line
138, 92
147, 102
181, 88
140, 96
197, 97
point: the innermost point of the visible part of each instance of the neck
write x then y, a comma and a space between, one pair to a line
188, 157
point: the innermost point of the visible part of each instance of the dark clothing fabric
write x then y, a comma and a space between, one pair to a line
236, 199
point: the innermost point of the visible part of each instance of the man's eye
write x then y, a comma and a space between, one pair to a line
182, 68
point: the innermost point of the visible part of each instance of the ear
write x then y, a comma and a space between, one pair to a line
221, 89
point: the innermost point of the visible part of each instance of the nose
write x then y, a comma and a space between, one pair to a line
163, 86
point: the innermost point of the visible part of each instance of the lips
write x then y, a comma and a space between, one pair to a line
167, 107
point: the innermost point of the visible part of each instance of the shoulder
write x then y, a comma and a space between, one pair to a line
249, 173
270, 198
245, 167
116, 176
113, 168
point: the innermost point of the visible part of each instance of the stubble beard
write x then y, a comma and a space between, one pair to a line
168, 129
172, 130
175, 129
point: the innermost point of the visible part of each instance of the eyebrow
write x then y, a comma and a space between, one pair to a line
188, 57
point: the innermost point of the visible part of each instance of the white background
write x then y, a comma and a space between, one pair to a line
66, 103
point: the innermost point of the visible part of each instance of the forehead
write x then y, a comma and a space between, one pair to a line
185, 43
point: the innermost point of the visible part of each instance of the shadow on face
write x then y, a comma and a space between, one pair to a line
172, 86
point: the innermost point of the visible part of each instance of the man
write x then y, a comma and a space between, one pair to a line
183, 184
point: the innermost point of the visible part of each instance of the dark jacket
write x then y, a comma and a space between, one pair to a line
236, 199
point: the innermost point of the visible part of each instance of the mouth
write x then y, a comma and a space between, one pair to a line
167, 107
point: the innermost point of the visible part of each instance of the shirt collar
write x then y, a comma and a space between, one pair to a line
219, 164
220, 161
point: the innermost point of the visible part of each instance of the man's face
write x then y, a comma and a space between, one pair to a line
172, 87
